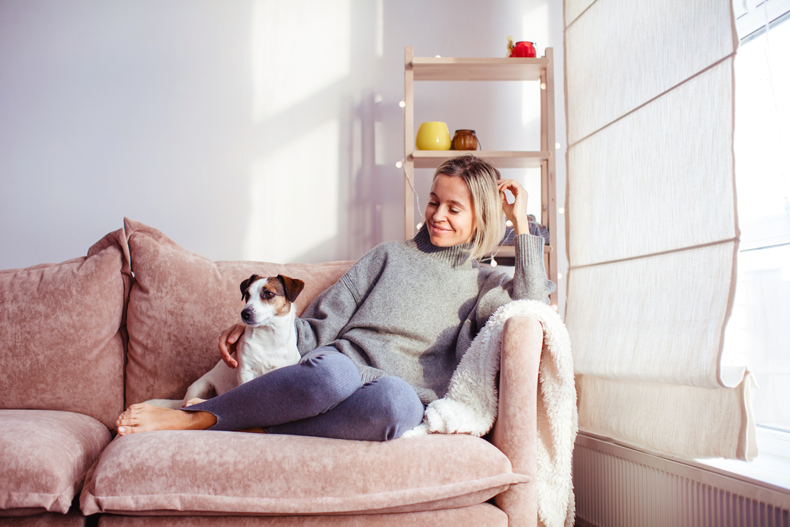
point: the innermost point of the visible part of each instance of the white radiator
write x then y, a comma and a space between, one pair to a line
617, 486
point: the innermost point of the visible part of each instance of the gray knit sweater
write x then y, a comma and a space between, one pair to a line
411, 309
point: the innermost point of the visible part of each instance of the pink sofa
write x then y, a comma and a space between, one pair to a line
138, 318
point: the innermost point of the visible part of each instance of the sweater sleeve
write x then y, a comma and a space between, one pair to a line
324, 320
529, 280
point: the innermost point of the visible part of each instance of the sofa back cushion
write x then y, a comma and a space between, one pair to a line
180, 303
61, 333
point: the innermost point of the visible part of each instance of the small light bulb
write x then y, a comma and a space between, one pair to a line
557, 146
493, 262
542, 85
561, 210
438, 56
402, 104
419, 226
508, 223
398, 164
554, 307
559, 276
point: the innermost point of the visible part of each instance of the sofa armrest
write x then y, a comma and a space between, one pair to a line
515, 430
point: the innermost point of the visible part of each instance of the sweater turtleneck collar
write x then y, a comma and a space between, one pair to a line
457, 256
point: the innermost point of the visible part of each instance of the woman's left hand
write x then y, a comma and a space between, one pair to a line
516, 212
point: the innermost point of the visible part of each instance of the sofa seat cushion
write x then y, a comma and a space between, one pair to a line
484, 514
47, 519
44, 457
179, 304
209, 472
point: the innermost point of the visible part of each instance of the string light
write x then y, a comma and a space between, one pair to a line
561, 210
554, 307
402, 104
414, 192
542, 85
559, 276
493, 262
438, 56
557, 146
508, 223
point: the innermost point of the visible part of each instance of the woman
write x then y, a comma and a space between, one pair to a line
385, 339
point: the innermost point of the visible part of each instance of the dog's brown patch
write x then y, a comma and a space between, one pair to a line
245, 286
293, 286
273, 293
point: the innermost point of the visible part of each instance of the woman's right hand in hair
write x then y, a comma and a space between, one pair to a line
228, 341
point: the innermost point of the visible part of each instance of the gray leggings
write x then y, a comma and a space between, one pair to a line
321, 396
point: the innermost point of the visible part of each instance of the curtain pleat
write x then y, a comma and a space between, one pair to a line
660, 417
652, 224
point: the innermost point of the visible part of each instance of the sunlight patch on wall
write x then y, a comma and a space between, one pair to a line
534, 28
298, 49
379, 28
294, 198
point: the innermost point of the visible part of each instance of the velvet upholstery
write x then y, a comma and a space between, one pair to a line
207, 472
176, 305
61, 333
44, 457
482, 515
515, 431
47, 519
180, 303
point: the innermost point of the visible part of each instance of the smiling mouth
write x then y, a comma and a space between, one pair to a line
435, 228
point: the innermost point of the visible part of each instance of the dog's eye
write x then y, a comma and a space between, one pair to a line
268, 295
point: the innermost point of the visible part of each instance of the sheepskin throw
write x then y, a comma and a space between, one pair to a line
470, 406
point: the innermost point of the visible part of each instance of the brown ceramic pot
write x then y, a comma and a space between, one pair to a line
464, 140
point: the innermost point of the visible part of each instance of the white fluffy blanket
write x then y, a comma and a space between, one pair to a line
470, 406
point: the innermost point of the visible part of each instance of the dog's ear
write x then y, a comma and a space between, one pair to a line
245, 285
293, 286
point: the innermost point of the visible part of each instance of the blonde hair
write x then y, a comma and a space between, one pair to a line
481, 178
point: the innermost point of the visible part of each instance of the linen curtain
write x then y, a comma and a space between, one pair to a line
651, 224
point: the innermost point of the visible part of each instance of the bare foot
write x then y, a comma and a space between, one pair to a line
194, 400
254, 430
145, 418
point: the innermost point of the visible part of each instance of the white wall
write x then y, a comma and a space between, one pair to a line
243, 129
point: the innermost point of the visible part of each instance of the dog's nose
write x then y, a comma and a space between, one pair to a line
246, 315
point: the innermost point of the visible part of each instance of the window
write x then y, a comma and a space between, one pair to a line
758, 333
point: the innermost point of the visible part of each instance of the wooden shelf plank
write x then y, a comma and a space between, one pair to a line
478, 69
501, 158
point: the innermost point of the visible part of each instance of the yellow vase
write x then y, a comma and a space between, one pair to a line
433, 135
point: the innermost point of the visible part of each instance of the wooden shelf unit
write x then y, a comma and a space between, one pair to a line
487, 69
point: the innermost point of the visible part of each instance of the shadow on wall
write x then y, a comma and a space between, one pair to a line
316, 179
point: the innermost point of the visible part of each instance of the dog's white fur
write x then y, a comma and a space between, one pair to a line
268, 342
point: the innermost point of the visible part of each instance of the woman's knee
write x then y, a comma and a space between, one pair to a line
399, 408
330, 375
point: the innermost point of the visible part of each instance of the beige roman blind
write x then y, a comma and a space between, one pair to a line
652, 225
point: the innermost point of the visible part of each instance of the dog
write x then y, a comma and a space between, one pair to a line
268, 342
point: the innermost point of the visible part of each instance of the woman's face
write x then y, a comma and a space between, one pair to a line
450, 216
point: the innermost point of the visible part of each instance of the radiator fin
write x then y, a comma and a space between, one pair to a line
612, 491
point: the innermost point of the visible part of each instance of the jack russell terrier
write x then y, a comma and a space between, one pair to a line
268, 342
